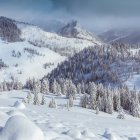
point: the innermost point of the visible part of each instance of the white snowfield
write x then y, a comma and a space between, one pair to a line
43, 123
26, 65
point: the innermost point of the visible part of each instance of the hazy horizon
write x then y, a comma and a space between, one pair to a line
97, 15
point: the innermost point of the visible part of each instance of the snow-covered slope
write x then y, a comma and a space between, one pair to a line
27, 64
42, 38
61, 124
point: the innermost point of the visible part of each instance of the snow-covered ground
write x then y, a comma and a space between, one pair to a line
61, 124
27, 65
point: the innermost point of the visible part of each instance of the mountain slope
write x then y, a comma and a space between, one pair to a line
41, 38
74, 30
122, 35
34, 52
24, 60
106, 64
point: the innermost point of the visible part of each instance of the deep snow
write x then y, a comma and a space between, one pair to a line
76, 124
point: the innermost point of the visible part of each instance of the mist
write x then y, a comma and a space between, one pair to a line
96, 15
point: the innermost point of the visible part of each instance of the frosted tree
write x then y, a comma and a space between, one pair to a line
37, 86
1, 87
71, 101
43, 102
36, 93
45, 86
36, 98
52, 103
97, 110
121, 114
109, 107
29, 97
58, 89
68, 107
79, 89
17, 85
71, 90
84, 100
4, 86
92, 92
117, 102
54, 87
64, 87
135, 106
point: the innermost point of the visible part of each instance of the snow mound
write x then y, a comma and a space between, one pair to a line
110, 135
15, 113
74, 133
19, 105
88, 133
23, 129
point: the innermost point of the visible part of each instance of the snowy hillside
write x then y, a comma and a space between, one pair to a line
24, 60
59, 123
42, 38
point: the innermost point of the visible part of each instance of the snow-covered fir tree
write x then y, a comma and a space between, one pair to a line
29, 98
45, 86
43, 102
52, 103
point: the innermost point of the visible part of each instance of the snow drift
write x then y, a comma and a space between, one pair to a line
20, 128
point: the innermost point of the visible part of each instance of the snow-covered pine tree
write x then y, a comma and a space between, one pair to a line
79, 89
45, 86
4, 86
71, 101
71, 90
116, 100
121, 114
36, 99
64, 86
135, 109
29, 98
1, 87
92, 92
68, 107
58, 89
54, 87
109, 107
97, 110
52, 103
84, 100
43, 102
36, 91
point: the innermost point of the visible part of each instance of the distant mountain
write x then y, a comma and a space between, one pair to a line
122, 35
74, 30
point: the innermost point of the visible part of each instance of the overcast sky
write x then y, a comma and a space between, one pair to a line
96, 14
